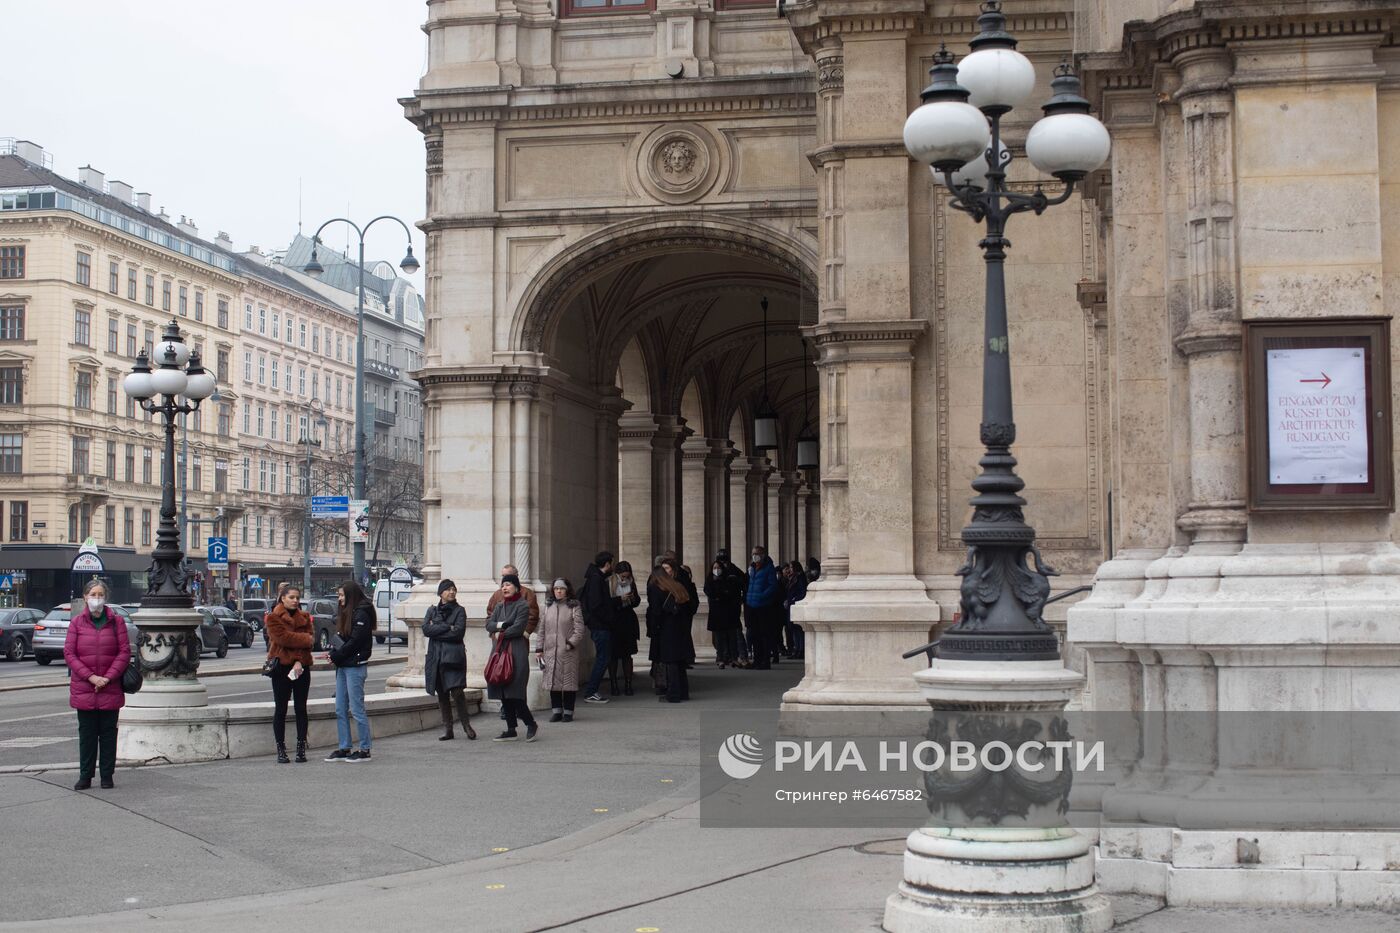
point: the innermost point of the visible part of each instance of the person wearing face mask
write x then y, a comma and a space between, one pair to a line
627, 629
597, 603
97, 651
725, 595
759, 604
289, 632
561, 633
445, 664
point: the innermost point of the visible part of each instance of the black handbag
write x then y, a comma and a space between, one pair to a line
132, 677
270, 667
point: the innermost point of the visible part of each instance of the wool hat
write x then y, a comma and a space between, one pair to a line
561, 583
511, 578
446, 585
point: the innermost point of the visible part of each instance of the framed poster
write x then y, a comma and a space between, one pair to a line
1318, 414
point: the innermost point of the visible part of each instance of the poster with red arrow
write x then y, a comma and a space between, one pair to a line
1317, 416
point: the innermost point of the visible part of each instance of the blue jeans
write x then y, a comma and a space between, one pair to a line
602, 644
350, 702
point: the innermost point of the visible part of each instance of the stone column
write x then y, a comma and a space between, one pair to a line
756, 500
606, 432
774, 525
635, 430
694, 507
666, 516
800, 552
523, 482
788, 482
719, 455
740, 538
813, 540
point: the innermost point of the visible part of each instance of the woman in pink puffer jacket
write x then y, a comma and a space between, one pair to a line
96, 651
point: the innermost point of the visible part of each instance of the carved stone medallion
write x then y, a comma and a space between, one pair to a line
678, 164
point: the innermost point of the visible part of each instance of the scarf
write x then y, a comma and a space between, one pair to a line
511, 599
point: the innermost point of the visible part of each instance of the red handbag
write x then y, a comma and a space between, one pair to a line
500, 667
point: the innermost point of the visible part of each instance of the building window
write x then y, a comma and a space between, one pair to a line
287, 477
198, 420
273, 424
225, 420
131, 284
112, 460
114, 276
145, 527
221, 476
11, 262
11, 453
150, 289
223, 366
81, 447
301, 333
19, 520
150, 343
83, 275
109, 524
199, 306
12, 385
130, 407
247, 473
223, 313
247, 316
272, 530
247, 418
128, 526
131, 340
184, 301
82, 327
12, 322
82, 398
262, 481
276, 325
262, 411
165, 295
247, 365
111, 395
289, 329
339, 345
113, 334
129, 463
315, 338
197, 474
262, 320
288, 432
276, 377
301, 380
146, 465
287, 378
262, 369
244, 523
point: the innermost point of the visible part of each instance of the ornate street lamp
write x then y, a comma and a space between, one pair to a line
409, 264
1006, 859
170, 646
957, 133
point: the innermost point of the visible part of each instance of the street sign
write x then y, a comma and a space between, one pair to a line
87, 562
7, 582
359, 520
218, 553
330, 506
401, 575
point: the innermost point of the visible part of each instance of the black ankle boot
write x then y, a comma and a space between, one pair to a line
301, 752
282, 758
612, 686
627, 687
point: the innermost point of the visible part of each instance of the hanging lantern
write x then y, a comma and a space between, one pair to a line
765, 430
807, 452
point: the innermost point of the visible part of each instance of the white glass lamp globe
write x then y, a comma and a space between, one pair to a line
1068, 144
997, 77
946, 134
182, 352
199, 385
138, 385
973, 173
169, 381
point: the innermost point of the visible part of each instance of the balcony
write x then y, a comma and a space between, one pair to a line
85, 484
384, 417
382, 370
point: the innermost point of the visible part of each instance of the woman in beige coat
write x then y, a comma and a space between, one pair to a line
560, 633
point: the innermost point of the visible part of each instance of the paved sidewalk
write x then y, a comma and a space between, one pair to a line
594, 828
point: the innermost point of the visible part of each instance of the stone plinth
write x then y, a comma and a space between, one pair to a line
1022, 875
169, 649
411, 676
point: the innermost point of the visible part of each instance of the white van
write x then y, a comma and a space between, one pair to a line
388, 609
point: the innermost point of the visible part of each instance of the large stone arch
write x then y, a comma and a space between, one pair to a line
562, 276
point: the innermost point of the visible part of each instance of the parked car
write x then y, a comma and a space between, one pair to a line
17, 632
255, 609
323, 614
389, 611
238, 630
51, 631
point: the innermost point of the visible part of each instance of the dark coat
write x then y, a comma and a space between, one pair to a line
763, 585
511, 619
726, 598
596, 600
102, 651
445, 664
669, 626
354, 650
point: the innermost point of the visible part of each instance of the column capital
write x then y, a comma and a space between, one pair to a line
873, 341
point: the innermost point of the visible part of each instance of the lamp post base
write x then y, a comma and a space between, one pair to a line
1030, 875
169, 659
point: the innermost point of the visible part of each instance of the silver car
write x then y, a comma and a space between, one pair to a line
51, 632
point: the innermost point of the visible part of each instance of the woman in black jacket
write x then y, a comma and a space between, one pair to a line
725, 593
670, 607
445, 666
354, 641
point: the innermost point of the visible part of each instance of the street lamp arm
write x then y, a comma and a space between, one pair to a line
406, 230
316, 237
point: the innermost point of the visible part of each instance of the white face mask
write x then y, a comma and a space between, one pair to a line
717, 573
95, 604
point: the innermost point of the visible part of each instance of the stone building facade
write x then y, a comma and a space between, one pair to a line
613, 190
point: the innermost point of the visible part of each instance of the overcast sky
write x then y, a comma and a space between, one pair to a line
221, 110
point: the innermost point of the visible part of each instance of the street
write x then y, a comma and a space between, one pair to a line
38, 727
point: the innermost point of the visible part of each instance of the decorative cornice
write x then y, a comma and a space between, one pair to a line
1193, 343
858, 149
897, 332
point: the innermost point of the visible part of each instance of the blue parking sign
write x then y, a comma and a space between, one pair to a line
218, 553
